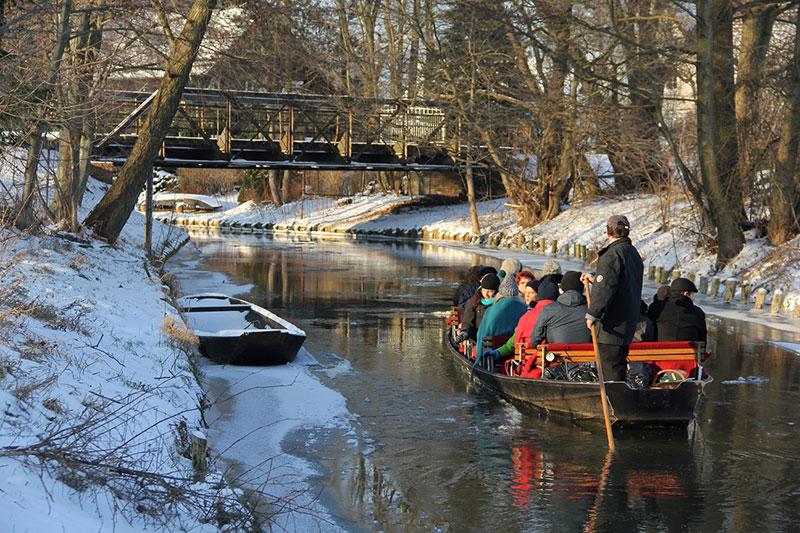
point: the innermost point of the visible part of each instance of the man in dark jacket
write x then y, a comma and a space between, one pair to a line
677, 318
563, 320
616, 297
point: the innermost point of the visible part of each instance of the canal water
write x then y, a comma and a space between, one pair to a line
425, 452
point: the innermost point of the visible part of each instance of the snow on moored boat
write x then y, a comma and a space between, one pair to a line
237, 331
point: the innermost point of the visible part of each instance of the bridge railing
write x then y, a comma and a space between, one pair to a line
293, 124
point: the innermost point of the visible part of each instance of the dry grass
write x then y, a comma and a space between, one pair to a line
24, 392
178, 335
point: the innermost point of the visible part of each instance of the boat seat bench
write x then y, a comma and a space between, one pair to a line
638, 351
681, 355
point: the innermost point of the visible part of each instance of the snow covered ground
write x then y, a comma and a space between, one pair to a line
100, 399
664, 229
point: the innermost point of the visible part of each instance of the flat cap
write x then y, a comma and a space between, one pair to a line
682, 285
618, 220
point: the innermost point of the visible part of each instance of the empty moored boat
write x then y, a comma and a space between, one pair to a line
237, 331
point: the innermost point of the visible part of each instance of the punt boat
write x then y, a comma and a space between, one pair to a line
662, 404
240, 332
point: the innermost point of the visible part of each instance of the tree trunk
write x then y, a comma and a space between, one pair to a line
89, 118
756, 33
110, 215
783, 220
285, 183
473, 206
413, 54
26, 217
273, 187
716, 124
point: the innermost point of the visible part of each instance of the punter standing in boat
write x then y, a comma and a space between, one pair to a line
616, 296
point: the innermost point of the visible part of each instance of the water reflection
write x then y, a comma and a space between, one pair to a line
428, 452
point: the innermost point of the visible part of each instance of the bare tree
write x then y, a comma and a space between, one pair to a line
757, 25
785, 197
113, 210
716, 124
26, 217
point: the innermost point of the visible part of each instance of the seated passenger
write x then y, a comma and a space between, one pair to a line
508, 277
677, 318
502, 317
645, 331
476, 307
661, 294
509, 267
551, 271
471, 284
547, 294
522, 279
564, 321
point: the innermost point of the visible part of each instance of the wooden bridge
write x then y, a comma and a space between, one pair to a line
223, 129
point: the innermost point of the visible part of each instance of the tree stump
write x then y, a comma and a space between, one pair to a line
199, 451
777, 301
714, 291
761, 297
702, 284
659, 273
730, 290
744, 294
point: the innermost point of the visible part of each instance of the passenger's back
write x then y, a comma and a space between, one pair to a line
563, 321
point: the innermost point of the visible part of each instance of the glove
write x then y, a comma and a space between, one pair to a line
461, 337
494, 354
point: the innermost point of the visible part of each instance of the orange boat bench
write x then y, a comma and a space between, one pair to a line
684, 356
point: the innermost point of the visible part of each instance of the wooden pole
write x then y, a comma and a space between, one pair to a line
148, 217
603, 397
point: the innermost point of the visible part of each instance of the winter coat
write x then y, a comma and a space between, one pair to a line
563, 321
678, 319
473, 315
467, 287
617, 292
464, 293
500, 319
524, 328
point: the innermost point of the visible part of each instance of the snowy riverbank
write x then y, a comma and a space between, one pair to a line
663, 229
101, 400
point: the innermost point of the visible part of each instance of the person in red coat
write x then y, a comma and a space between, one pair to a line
538, 295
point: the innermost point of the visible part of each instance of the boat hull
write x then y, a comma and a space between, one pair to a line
235, 331
672, 405
256, 348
